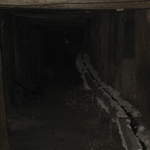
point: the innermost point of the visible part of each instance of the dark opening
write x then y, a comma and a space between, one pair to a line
46, 57
49, 110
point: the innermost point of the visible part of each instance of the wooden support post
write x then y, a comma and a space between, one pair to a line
3, 128
76, 4
7, 42
142, 46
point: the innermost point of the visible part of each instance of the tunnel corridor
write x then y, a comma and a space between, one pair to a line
51, 50
73, 79
49, 111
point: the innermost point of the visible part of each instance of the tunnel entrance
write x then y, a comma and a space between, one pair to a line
60, 72
50, 107
47, 107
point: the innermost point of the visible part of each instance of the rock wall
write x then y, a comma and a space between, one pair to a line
119, 51
142, 46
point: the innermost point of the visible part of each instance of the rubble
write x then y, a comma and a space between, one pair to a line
140, 140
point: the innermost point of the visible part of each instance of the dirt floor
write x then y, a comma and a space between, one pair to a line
65, 118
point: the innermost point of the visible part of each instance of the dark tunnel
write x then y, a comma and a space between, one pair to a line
75, 79
46, 56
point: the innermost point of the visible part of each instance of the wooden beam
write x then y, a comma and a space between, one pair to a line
76, 4
22, 2
3, 128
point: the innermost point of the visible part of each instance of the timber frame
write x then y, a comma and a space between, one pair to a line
3, 122
76, 4
55, 5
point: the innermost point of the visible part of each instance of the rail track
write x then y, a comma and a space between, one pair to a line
133, 133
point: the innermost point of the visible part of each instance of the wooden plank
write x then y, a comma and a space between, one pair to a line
3, 129
8, 58
32, 2
75, 4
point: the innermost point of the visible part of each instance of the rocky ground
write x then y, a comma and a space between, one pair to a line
77, 123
